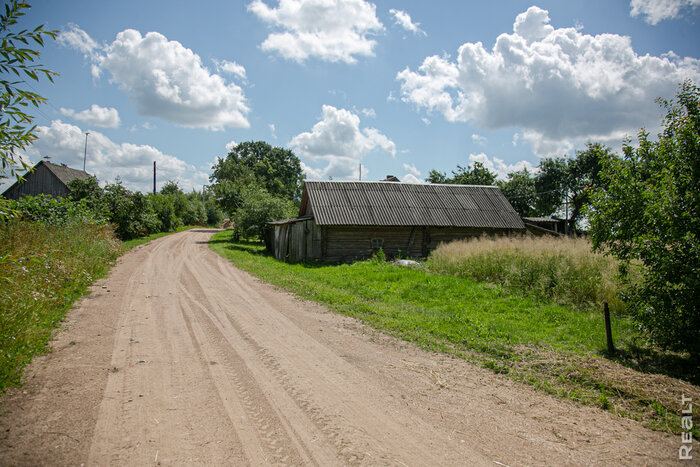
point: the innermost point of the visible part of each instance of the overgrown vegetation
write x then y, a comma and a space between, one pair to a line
648, 215
44, 267
135, 215
554, 347
559, 269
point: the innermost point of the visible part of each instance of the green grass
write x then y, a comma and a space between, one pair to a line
134, 242
42, 271
557, 348
559, 269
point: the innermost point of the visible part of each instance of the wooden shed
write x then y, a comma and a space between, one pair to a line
45, 179
345, 221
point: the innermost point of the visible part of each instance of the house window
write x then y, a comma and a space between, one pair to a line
377, 243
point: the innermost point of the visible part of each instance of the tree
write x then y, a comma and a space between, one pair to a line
18, 58
647, 212
520, 192
478, 174
275, 169
257, 209
561, 181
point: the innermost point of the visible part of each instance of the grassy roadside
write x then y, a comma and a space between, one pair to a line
555, 348
43, 271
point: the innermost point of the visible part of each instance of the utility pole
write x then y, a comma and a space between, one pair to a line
566, 224
154, 177
85, 155
360, 172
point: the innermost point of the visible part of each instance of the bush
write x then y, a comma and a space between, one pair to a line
257, 208
649, 214
56, 211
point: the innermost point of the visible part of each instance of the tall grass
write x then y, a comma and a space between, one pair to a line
43, 269
559, 269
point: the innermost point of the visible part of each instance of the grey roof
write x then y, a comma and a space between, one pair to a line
407, 204
65, 173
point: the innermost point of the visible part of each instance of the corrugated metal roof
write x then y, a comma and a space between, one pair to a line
408, 204
65, 173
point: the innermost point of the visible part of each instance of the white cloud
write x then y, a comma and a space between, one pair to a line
106, 117
403, 19
330, 30
231, 67
655, 11
76, 38
478, 139
516, 139
273, 130
410, 178
498, 166
106, 159
369, 112
166, 80
410, 168
558, 86
230, 145
338, 140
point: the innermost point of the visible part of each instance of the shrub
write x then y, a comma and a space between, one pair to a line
56, 211
649, 213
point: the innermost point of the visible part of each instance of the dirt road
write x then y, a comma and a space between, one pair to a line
178, 358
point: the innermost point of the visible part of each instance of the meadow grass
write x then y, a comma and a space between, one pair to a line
560, 269
43, 269
556, 347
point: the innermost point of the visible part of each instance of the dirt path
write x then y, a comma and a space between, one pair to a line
178, 358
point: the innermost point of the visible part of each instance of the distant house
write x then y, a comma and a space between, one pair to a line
342, 221
46, 178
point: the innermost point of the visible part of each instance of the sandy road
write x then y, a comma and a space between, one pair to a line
178, 358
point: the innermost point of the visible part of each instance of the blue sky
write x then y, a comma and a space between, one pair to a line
401, 87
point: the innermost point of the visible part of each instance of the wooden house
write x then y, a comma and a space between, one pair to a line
345, 221
47, 179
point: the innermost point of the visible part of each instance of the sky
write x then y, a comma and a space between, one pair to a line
399, 87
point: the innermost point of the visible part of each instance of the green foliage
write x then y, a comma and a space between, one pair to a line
520, 192
56, 211
257, 209
131, 213
213, 212
43, 269
17, 58
276, 170
478, 174
560, 180
647, 214
164, 208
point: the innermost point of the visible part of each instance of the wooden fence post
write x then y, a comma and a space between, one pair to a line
608, 329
